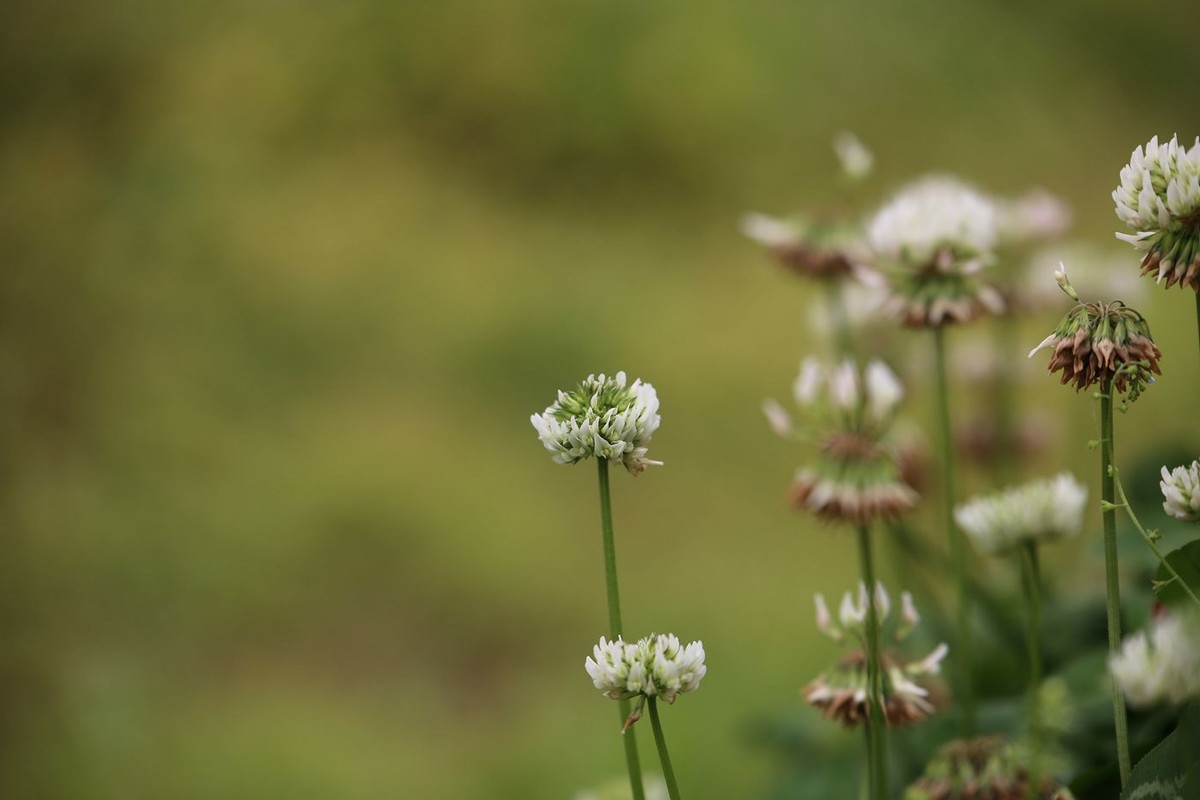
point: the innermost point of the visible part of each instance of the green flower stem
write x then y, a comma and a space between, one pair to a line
958, 555
1111, 574
664, 757
1004, 400
1149, 537
614, 623
1033, 588
877, 780
836, 300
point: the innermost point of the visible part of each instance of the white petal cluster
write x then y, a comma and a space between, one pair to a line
1037, 511
1162, 665
855, 158
852, 613
603, 417
1181, 491
1160, 182
876, 390
656, 666
932, 216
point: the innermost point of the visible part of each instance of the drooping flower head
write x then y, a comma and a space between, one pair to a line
1163, 664
656, 666
603, 417
909, 695
937, 234
1098, 342
1181, 491
986, 768
1159, 199
855, 475
1038, 511
808, 248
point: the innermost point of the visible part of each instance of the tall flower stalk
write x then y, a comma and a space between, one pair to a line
608, 419
1107, 345
938, 234
876, 715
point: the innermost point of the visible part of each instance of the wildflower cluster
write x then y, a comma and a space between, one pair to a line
1041, 510
987, 768
825, 251
937, 233
1163, 665
841, 693
656, 666
856, 475
604, 417
1181, 491
1159, 198
1100, 342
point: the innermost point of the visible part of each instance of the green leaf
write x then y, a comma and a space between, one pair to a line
1170, 771
1186, 561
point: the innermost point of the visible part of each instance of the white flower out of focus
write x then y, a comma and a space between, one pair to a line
656, 666
931, 216
604, 417
1035, 216
1162, 665
855, 158
1159, 199
1042, 510
1181, 491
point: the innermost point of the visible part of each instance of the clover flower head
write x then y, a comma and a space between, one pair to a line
656, 666
819, 250
985, 767
1034, 216
1098, 342
841, 692
1161, 665
937, 233
1181, 491
853, 155
1038, 511
1159, 199
604, 417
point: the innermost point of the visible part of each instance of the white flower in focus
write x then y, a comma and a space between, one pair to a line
1038, 511
931, 216
657, 666
602, 418
1159, 198
1162, 665
1181, 491
855, 158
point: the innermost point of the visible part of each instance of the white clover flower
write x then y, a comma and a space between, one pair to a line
853, 155
843, 387
933, 215
1163, 665
852, 613
1181, 491
1038, 511
1159, 198
657, 666
814, 249
603, 417
884, 390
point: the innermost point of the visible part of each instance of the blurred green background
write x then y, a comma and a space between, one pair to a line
282, 283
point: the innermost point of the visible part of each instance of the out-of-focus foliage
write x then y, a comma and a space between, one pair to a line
281, 283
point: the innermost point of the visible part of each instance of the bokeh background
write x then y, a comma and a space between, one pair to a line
282, 282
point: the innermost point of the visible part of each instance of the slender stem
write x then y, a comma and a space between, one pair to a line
876, 734
1030, 572
1003, 396
836, 299
1111, 574
614, 623
958, 555
1150, 538
664, 758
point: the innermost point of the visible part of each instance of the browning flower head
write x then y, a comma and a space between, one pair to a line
937, 233
809, 249
1100, 342
986, 768
909, 692
1159, 198
855, 475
